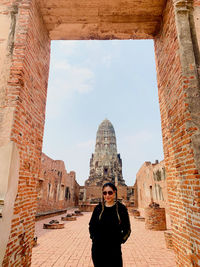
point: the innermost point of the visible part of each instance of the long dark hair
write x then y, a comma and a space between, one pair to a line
114, 188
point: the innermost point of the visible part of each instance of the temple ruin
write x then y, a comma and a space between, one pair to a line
57, 189
151, 187
27, 28
105, 165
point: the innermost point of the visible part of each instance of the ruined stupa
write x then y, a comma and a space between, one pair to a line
105, 163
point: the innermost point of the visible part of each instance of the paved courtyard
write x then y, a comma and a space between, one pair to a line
71, 246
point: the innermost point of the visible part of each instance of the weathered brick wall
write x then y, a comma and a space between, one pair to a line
122, 192
131, 196
93, 192
152, 175
56, 189
155, 218
76, 187
180, 110
23, 104
151, 185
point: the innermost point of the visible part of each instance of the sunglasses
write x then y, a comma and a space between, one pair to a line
107, 192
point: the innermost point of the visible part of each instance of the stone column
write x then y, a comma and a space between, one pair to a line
177, 55
24, 68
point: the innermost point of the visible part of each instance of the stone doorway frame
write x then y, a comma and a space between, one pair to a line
24, 68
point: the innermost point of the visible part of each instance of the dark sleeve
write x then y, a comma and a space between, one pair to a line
125, 224
94, 222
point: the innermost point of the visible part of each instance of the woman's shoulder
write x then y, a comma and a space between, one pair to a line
98, 207
121, 206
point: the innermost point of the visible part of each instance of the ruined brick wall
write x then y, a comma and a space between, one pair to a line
122, 192
131, 196
22, 115
93, 193
152, 186
56, 189
179, 98
144, 179
76, 192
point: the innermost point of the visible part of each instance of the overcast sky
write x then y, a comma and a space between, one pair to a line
93, 80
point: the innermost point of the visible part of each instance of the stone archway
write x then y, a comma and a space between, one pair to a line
27, 27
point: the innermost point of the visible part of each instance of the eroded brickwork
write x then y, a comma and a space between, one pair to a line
56, 189
180, 110
151, 185
24, 99
155, 218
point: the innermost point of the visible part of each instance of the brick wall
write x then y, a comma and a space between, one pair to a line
131, 196
122, 192
93, 192
179, 99
23, 99
151, 185
56, 189
151, 175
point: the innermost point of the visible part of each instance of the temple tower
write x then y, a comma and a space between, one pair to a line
105, 163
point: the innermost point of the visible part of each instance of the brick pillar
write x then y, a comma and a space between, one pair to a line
177, 53
155, 218
24, 68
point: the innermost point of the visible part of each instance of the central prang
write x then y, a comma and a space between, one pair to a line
105, 163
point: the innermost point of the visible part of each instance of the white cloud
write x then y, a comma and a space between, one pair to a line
74, 78
81, 79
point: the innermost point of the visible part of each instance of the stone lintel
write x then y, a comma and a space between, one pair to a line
94, 19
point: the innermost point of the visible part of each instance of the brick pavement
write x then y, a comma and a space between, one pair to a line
71, 246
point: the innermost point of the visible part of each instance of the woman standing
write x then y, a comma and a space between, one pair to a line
109, 227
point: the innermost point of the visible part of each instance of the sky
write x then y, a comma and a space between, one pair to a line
93, 80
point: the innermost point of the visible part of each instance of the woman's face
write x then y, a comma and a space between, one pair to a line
109, 195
